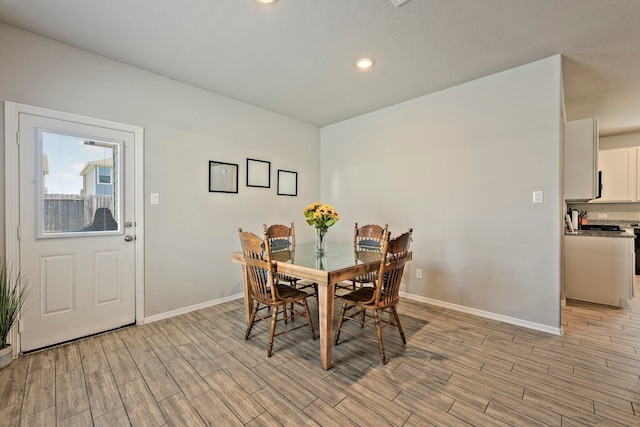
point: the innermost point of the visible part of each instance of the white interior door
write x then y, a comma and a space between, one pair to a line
77, 228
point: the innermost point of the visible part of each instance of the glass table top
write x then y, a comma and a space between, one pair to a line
336, 257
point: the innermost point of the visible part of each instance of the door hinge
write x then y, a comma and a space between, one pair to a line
18, 137
19, 235
20, 326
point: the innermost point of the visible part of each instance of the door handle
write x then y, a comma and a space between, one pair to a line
128, 238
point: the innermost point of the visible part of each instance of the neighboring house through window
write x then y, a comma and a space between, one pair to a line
98, 178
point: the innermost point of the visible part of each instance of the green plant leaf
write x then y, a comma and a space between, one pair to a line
14, 289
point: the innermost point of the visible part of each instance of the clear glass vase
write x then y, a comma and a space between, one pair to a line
321, 262
321, 241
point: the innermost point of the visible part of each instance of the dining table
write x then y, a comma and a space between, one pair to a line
339, 262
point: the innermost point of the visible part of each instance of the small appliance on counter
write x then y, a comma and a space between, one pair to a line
575, 219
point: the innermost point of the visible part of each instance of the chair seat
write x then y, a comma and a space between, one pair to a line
361, 295
286, 292
294, 281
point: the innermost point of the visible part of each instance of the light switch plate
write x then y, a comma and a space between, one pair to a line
155, 198
538, 196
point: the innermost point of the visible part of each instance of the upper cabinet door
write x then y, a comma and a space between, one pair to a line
618, 168
581, 160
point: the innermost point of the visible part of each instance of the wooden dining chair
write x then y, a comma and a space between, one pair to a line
282, 241
281, 299
383, 297
367, 239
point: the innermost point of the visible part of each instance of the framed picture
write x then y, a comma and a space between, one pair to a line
223, 177
258, 173
287, 183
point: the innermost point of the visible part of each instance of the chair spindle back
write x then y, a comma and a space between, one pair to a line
392, 268
260, 271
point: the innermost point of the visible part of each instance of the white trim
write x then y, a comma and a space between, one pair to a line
190, 308
11, 195
11, 178
12, 111
486, 314
139, 220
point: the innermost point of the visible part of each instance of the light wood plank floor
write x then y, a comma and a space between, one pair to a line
456, 369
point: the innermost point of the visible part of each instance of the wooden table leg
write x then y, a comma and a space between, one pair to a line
326, 294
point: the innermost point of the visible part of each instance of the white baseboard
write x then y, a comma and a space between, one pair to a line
191, 308
438, 303
485, 314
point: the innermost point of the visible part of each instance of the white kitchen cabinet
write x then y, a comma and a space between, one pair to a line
619, 174
581, 160
637, 174
599, 269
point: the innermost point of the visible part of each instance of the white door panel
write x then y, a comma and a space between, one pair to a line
84, 270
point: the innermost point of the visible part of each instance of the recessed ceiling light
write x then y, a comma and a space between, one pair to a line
266, 1
364, 63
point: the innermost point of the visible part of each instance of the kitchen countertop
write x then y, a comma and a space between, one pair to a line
598, 233
624, 223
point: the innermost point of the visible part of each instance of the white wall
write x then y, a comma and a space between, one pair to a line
190, 235
459, 166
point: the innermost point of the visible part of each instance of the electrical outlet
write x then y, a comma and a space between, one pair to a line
602, 216
418, 273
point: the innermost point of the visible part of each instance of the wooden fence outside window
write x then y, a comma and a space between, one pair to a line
71, 212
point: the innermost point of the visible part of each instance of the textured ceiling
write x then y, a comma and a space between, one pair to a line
295, 57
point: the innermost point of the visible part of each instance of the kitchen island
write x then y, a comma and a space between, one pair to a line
599, 266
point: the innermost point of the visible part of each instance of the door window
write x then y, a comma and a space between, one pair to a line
78, 184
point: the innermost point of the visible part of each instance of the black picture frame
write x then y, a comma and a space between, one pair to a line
287, 183
258, 173
223, 177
